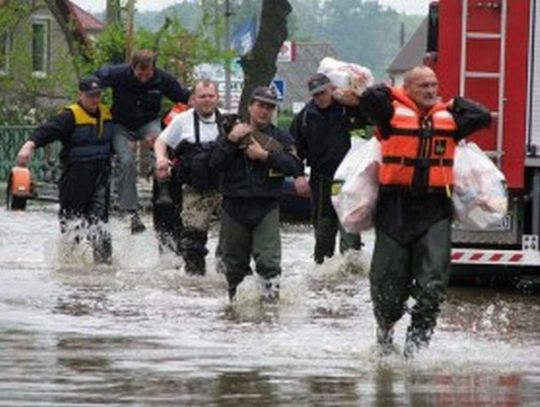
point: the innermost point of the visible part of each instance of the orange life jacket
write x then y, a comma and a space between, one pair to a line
418, 142
176, 109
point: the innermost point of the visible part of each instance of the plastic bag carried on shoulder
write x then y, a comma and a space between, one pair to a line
346, 74
480, 196
356, 186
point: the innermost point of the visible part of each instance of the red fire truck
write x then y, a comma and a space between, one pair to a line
490, 51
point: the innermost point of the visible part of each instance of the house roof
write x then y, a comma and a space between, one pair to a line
296, 73
412, 53
87, 21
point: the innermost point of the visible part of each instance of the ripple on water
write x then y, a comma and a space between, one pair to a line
141, 332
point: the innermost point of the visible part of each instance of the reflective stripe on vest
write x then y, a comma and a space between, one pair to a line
91, 138
175, 110
417, 143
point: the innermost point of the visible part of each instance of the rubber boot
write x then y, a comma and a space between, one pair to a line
385, 341
415, 340
270, 290
195, 265
325, 239
193, 244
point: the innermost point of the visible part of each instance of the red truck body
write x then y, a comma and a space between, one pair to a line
490, 51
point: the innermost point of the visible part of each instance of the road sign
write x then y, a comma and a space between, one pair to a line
279, 86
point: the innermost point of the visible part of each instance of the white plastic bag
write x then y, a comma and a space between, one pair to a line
480, 197
346, 75
356, 176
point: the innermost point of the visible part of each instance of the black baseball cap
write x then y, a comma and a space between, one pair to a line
265, 94
90, 84
318, 82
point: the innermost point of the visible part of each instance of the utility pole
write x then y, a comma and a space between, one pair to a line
129, 32
227, 48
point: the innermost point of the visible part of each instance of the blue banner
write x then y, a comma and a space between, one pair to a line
243, 38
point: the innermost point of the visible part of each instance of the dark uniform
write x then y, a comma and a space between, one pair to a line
322, 139
85, 158
412, 248
250, 216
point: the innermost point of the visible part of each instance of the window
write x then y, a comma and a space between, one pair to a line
40, 48
5, 46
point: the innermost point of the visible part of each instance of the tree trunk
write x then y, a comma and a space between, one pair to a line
259, 65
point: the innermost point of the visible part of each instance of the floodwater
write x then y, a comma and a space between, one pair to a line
142, 333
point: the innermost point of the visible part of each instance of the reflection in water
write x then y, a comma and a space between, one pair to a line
142, 333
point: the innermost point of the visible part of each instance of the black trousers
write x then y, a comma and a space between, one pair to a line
325, 220
84, 198
166, 213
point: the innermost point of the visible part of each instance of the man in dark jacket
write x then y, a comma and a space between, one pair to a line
138, 90
252, 179
418, 135
322, 134
85, 130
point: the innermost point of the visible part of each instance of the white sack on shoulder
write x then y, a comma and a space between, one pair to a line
346, 74
480, 197
356, 199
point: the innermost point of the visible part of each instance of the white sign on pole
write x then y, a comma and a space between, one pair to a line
287, 52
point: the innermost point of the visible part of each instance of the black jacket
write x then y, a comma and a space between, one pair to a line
61, 128
244, 178
135, 103
84, 184
322, 136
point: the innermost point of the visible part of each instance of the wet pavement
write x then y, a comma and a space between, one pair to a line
142, 333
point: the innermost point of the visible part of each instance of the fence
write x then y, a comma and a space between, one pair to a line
45, 165
45, 162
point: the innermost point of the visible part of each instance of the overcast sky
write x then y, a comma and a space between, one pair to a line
408, 6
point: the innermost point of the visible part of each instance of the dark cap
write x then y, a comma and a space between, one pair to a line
317, 83
90, 84
265, 94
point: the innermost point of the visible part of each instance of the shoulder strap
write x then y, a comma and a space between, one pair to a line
196, 127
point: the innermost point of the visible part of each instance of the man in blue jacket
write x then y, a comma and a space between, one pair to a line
138, 90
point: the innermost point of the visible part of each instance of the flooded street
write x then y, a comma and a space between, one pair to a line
142, 333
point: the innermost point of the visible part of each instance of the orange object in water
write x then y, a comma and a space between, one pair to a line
21, 182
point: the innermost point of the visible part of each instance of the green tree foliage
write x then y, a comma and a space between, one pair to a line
362, 31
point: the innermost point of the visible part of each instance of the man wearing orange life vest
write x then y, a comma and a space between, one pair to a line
418, 134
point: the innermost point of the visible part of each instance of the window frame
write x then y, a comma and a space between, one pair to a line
45, 58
